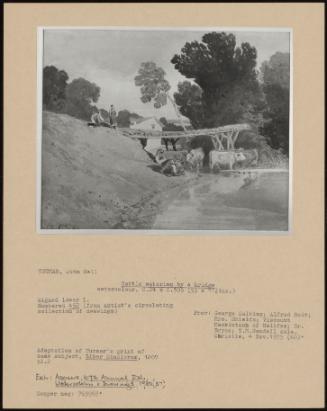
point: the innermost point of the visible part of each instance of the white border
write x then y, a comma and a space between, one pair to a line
125, 232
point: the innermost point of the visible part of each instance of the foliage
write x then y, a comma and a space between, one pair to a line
275, 75
163, 121
80, 96
169, 126
226, 80
189, 98
172, 127
249, 139
76, 98
153, 84
124, 118
54, 85
277, 70
277, 127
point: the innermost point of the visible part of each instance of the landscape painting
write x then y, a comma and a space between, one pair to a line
160, 130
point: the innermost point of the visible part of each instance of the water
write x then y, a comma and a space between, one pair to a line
247, 200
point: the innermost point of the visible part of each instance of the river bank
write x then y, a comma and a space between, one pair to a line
97, 178
143, 214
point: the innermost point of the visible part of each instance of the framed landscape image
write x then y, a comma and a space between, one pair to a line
164, 130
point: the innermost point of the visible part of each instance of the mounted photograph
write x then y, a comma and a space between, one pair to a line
164, 130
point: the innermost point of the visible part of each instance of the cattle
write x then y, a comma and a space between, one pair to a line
195, 158
251, 157
224, 159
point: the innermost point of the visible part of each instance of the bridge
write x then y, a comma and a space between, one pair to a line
220, 135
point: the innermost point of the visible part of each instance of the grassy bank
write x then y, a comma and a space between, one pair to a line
96, 178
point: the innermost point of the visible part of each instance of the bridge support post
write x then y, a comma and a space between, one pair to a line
217, 142
234, 138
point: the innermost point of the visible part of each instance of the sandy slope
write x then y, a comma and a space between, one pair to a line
96, 178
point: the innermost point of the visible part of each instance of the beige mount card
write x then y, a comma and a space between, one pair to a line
163, 205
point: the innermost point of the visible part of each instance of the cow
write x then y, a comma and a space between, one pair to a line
195, 158
224, 159
251, 157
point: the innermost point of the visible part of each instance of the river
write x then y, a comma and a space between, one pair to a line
243, 200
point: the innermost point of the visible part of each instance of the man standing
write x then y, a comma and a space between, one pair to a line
113, 116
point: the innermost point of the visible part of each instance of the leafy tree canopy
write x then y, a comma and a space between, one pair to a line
277, 70
276, 83
125, 117
189, 98
83, 90
54, 86
225, 76
153, 84
80, 98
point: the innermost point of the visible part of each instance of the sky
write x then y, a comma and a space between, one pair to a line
111, 59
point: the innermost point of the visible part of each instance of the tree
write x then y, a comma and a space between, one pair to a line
277, 70
123, 118
80, 98
276, 83
172, 127
189, 98
226, 77
163, 121
277, 115
54, 86
167, 126
154, 86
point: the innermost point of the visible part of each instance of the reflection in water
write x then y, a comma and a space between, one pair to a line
250, 179
246, 200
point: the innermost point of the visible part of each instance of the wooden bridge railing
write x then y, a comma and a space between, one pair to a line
219, 135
